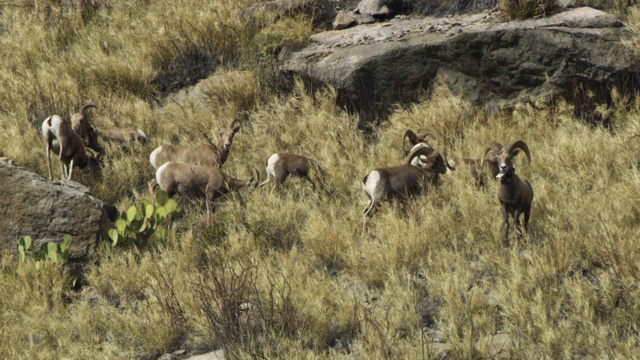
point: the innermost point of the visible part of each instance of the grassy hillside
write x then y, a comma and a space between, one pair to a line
296, 274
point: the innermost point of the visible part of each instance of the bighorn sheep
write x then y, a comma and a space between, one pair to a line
515, 193
281, 165
209, 155
401, 181
481, 167
415, 139
82, 126
198, 181
64, 142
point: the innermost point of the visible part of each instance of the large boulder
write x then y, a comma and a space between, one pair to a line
31, 205
487, 60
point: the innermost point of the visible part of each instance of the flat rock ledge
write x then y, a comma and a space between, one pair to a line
487, 60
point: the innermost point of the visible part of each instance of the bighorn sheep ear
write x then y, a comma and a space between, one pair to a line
237, 128
512, 149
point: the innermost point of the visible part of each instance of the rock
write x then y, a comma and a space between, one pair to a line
343, 21
379, 8
488, 61
31, 205
499, 346
214, 355
322, 11
566, 3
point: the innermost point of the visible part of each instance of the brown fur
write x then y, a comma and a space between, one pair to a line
514, 193
209, 155
296, 165
81, 124
197, 181
67, 145
402, 181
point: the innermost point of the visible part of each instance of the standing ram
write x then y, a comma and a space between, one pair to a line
514, 193
60, 138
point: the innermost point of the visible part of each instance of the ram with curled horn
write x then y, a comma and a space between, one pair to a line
209, 154
60, 139
515, 192
416, 138
402, 181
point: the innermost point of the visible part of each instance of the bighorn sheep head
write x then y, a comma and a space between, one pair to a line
504, 155
420, 137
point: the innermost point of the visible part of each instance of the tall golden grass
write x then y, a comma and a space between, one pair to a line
297, 274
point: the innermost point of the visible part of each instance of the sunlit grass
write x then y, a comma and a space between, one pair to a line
321, 282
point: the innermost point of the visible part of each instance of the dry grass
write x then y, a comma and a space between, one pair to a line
319, 284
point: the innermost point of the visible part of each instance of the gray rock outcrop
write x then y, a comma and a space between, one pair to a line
31, 205
488, 61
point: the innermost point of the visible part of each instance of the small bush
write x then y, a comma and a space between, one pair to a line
527, 9
140, 224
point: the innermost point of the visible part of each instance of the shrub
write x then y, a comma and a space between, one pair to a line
526, 9
50, 253
139, 224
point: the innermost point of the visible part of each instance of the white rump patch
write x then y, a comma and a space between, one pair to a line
153, 157
271, 165
159, 172
373, 179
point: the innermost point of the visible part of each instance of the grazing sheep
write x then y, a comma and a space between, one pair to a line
209, 155
404, 180
197, 181
64, 142
515, 193
81, 124
281, 165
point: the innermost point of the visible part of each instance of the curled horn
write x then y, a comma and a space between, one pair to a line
424, 133
518, 144
424, 150
412, 137
235, 129
496, 147
93, 153
446, 162
83, 110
